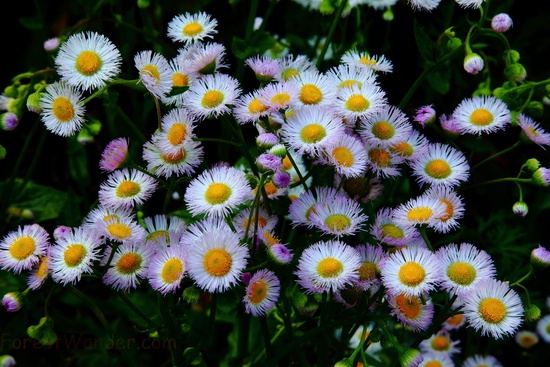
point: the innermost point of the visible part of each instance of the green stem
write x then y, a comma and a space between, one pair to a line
137, 311
165, 310
267, 339
516, 144
519, 281
513, 179
335, 21
422, 231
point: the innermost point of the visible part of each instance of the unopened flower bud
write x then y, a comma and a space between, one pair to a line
532, 164
8, 121
191, 294
473, 63
454, 43
515, 72
540, 257
281, 179
33, 102
52, 44
266, 140
501, 22
532, 313
425, 115
410, 358
534, 109
2, 152
279, 150
7, 361
541, 177
344, 363
520, 208
12, 301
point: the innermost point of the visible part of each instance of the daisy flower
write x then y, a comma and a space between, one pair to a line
114, 155
386, 127
21, 249
457, 320
436, 359
182, 79
463, 267
128, 265
125, 229
310, 129
218, 190
126, 188
314, 89
216, 261
479, 360
303, 206
346, 154
249, 220
62, 109
184, 161
203, 58
543, 328
154, 72
292, 66
412, 147
369, 271
265, 68
99, 215
426, 5
280, 254
279, 96
494, 308
88, 61
362, 59
412, 311
189, 28
526, 338
419, 210
197, 230
440, 343
355, 102
531, 131
346, 76
160, 226
39, 272
411, 271
167, 268
382, 162
454, 208
441, 165
341, 216
328, 266
262, 293
73, 255
481, 114
386, 231
176, 128
212, 95
249, 108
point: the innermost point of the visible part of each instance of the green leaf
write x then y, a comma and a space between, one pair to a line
440, 79
425, 44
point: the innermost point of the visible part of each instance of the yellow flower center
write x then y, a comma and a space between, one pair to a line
455, 319
449, 210
350, 83
433, 363
343, 156
22, 247
270, 188
261, 222
270, 240
289, 73
42, 269
217, 262
357, 103
179, 80
404, 149
338, 222
191, 29
129, 263
367, 270
287, 164
255, 106
481, 117
440, 343
74, 254
63, 109
411, 274
461, 273
392, 231
379, 156
257, 291
171, 270
492, 310
174, 158
177, 133
419, 214
88, 63
111, 217
212, 99
367, 61
411, 307
217, 193
383, 130
313, 133
329, 267
310, 94
127, 189
527, 340
119, 230
152, 71
280, 99
438, 168
154, 236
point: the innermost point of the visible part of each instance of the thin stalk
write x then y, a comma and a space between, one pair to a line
515, 145
331, 31
150, 323
504, 179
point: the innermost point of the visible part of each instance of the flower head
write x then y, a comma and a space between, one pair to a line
262, 292
189, 28
114, 155
126, 188
481, 114
21, 249
442, 164
501, 22
62, 109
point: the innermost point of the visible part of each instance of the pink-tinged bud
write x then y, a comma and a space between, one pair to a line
541, 177
52, 44
501, 22
12, 301
473, 63
425, 115
540, 257
9, 121
114, 155
520, 208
